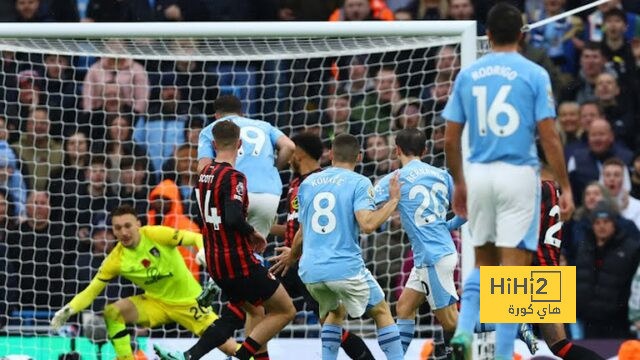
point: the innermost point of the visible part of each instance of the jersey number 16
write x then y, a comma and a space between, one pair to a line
489, 118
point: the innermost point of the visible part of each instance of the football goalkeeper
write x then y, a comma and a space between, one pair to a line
147, 256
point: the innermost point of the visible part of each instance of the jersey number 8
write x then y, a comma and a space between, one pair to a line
498, 106
323, 211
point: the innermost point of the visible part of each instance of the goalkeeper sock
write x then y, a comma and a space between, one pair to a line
248, 349
406, 328
355, 347
261, 356
330, 337
469, 304
567, 350
117, 331
389, 340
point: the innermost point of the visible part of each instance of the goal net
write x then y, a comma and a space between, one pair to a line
94, 116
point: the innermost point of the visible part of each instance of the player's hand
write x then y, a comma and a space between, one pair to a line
61, 316
394, 186
566, 205
258, 242
201, 257
283, 261
460, 200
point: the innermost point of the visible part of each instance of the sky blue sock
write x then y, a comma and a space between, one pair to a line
331, 337
406, 328
389, 340
505, 337
483, 327
469, 304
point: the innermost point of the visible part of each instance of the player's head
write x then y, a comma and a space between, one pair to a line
410, 143
226, 136
308, 148
504, 24
227, 105
125, 224
345, 149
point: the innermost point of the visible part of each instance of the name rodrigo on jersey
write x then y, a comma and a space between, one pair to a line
497, 70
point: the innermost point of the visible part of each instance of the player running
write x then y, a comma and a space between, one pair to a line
424, 202
230, 242
304, 162
510, 99
335, 204
256, 160
147, 256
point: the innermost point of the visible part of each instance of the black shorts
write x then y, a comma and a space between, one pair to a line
296, 288
254, 289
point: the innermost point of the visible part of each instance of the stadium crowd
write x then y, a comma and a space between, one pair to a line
80, 136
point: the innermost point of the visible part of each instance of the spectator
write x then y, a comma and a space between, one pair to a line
9, 291
183, 170
22, 101
11, 177
635, 176
118, 11
403, 14
634, 301
337, 114
374, 112
614, 178
429, 9
408, 115
447, 63
435, 155
584, 165
29, 11
160, 135
134, 185
130, 77
595, 22
358, 10
358, 83
569, 123
376, 161
242, 10
68, 179
556, 38
192, 132
39, 153
166, 209
592, 64
617, 50
302, 10
438, 94
590, 110
558, 79
617, 109
606, 261
35, 248
464, 10
60, 94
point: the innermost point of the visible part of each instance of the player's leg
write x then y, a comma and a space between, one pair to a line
332, 314
262, 211
518, 212
255, 314
556, 338
442, 295
133, 310
412, 297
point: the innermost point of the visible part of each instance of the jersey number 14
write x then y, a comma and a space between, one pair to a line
210, 214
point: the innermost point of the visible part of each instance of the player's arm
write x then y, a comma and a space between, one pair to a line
287, 256
108, 270
233, 215
278, 230
285, 150
455, 223
168, 236
369, 220
205, 148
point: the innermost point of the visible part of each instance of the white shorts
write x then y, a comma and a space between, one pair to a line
263, 209
357, 294
436, 282
503, 203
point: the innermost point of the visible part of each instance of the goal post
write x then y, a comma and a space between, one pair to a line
325, 77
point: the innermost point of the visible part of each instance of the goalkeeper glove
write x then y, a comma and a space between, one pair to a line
208, 294
61, 316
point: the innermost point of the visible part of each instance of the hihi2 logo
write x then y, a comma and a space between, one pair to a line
533, 294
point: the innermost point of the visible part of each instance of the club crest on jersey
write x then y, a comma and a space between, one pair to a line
154, 251
146, 263
371, 192
239, 191
294, 203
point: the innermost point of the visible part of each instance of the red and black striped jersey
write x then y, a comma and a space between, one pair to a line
292, 223
550, 236
228, 251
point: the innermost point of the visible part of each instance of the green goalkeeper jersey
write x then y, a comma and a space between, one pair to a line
155, 265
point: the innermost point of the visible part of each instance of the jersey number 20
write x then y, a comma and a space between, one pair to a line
489, 118
429, 197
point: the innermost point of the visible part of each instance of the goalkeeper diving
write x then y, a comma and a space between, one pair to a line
147, 256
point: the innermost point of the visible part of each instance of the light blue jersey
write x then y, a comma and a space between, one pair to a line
501, 98
256, 158
328, 201
424, 201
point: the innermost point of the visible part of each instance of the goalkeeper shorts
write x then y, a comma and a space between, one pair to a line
153, 313
436, 282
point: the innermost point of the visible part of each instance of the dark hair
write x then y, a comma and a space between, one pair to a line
615, 12
411, 142
309, 143
225, 134
131, 162
40, 108
124, 210
504, 21
594, 103
614, 161
228, 104
99, 160
593, 46
345, 148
